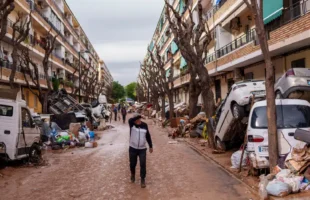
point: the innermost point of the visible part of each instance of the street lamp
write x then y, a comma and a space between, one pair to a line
80, 52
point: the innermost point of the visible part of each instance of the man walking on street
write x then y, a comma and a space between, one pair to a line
124, 113
139, 135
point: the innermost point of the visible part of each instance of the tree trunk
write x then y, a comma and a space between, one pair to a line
163, 107
44, 102
206, 91
270, 94
193, 100
171, 106
13, 69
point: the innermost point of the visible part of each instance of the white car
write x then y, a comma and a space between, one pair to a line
292, 114
294, 84
236, 106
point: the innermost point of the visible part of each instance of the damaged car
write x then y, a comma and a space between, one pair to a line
235, 107
292, 114
294, 84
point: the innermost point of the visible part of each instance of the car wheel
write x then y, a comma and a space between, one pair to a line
220, 145
279, 95
238, 111
35, 154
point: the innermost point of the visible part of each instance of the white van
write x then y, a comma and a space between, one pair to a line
19, 135
292, 114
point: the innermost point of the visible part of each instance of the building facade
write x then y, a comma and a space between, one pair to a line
234, 54
105, 76
72, 51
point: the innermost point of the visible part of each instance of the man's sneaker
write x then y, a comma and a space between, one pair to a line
143, 183
133, 179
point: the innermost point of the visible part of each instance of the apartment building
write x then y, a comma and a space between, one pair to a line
235, 53
105, 76
73, 50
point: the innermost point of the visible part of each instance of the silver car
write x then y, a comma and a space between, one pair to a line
294, 84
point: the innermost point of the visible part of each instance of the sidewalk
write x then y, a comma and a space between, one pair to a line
224, 161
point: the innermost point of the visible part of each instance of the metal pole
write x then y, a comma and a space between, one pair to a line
79, 77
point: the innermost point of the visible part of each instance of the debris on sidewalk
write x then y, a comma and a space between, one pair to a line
173, 142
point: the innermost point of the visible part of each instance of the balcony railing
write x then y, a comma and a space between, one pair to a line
290, 14
214, 9
234, 45
237, 43
56, 29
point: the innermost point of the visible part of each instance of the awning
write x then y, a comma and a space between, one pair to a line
183, 63
168, 73
151, 47
174, 47
182, 7
217, 2
272, 10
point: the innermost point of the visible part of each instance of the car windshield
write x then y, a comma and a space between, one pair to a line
288, 116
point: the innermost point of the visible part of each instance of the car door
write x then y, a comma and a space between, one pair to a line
29, 134
9, 128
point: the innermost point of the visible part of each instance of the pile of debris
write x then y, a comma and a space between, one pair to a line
292, 178
76, 136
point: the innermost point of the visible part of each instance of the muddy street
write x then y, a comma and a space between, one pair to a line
174, 171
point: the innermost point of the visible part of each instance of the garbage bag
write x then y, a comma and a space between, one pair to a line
278, 188
262, 187
91, 134
284, 173
236, 157
82, 137
294, 182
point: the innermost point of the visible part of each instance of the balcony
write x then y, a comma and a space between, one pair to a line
37, 10
232, 46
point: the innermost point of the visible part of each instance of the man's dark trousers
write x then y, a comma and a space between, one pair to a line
133, 157
115, 116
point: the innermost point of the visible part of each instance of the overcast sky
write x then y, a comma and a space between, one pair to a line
120, 31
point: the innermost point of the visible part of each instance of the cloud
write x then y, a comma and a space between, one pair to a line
120, 31
123, 51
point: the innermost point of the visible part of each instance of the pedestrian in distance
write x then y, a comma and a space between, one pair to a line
124, 113
115, 113
139, 136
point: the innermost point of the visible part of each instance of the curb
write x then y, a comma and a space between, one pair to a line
206, 156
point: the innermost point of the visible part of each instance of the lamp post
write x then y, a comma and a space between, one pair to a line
80, 52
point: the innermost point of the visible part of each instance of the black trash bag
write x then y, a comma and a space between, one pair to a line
94, 103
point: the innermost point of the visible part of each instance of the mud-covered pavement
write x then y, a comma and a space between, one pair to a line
174, 171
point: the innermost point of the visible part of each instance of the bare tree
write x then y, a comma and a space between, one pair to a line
193, 40
256, 8
6, 7
21, 28
140, 92
166, 83
150, 78
31, 70
84, 76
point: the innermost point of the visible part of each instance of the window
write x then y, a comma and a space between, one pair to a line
288, 116
230, 83
249, 76
300, 63
259, 117
26, 118
296, 116
6, 111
